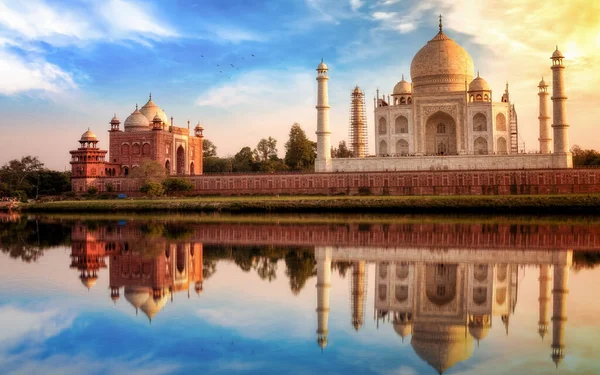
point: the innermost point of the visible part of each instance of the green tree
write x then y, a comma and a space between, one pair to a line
92, 190
149, 171
300, 265
209, 149
216, 165
266, 149
342, 151
300, 152
583, 157
152, 189
18, 174
244, 160
177, 185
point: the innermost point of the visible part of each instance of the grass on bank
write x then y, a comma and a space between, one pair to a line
522, 204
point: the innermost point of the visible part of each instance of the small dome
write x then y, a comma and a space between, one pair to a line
89, 281
557, 54
115, 120
479, 84
88, 136
150, 110
479, 332
114, 297
199, 127
402, 87
322, 66
153, 306
136, 121
543, 83
403, 329
137, 296
157, 118
322, 342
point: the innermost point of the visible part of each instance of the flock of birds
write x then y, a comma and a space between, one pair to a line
230, 65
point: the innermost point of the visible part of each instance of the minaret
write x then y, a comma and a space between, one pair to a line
544, 117
323, 162
559, 105
323, 257
358, 294
559, 306
544, 299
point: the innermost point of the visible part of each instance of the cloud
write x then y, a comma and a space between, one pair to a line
18, 75
18, 325
356, 4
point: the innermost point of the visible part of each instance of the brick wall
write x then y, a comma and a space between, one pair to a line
481, 182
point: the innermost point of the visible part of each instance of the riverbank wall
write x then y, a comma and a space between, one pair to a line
400, 183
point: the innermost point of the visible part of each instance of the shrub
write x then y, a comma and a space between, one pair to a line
152, 189
173, 185
110, 188
105, 196
92, 190
364, 190
70, 194
21, 195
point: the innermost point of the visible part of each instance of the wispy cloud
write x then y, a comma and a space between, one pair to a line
356, 4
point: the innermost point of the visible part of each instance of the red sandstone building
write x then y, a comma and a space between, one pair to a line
147, 135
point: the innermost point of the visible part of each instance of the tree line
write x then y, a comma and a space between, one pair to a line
300, 155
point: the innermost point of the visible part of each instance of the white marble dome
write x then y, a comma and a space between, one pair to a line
440, 66
150, 109
136, 122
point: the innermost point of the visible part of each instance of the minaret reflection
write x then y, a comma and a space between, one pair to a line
544, 299
446, 301
150, 271
323, 258
358, 294
559, 305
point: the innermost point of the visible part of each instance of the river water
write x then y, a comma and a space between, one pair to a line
299, 295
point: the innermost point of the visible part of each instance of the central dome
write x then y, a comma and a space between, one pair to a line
441, 66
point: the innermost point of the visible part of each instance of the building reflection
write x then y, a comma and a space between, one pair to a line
148, 278
440, 301
445, 299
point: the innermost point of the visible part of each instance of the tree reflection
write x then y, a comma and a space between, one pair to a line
28, 239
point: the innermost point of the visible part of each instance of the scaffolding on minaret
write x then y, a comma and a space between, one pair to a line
358, 124
358, 293
514, 131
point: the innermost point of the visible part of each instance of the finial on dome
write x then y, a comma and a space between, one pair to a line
478, 74
150, 96
403, 77
440, 23
136, 106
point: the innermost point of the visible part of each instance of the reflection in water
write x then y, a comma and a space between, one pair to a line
445, 305
439, 285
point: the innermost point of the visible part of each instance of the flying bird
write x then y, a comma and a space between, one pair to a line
252, 55
232, 65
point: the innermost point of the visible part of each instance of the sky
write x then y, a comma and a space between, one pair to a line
246, 69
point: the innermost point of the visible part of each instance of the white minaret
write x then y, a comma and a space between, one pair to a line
544, 117
323, 258
559, 105
559, 305
323, 162
544, 299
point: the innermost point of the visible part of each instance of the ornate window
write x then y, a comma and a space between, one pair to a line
146, 149
135, 149
382, 126
125, 149
401, 125
480, 146
442, 148
441, 128
479, 123
500, 122
402, 147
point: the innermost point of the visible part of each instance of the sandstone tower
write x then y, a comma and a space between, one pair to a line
323, 162
544, 299
559, 307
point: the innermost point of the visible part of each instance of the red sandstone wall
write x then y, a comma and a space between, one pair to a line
492, 182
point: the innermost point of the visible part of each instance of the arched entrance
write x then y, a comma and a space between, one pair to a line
480, 146
440, 283
192, 171
180, 160
440, 134
383, 148
502, 146
402, 147
168, 167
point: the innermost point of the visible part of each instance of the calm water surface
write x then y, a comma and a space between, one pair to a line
409, 295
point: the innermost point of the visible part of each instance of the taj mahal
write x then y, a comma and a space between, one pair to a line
447, 119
